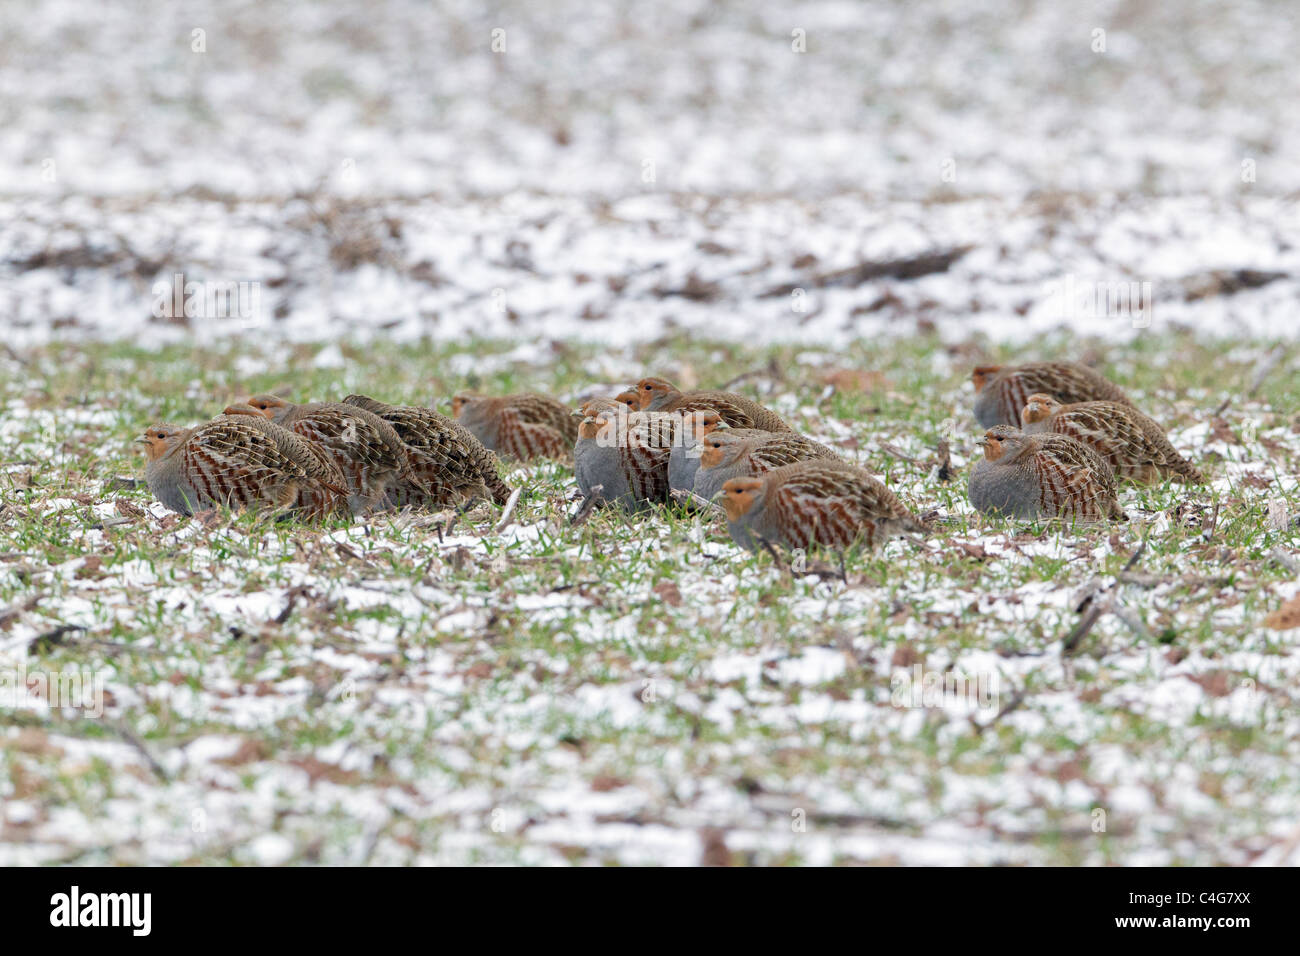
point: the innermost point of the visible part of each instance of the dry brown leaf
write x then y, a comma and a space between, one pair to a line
32, 741
1285, 617
320, 770
905, 655
92, 569
250, 750
714, 851
669, 593
1214, 683
853, 379
127, 510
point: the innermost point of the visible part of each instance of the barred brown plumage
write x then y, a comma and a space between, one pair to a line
317, 462
1001, 391
657, 395
447, 463
232, 461
1132, 443
625, 453
746, 452
523, 426
365, 449
1042, 476
684, 461
822, 502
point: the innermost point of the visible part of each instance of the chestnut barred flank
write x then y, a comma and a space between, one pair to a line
1002, 391
364, 449
237, 463
522, 427
1042, 476
822, 502
624, 454
1132, 443
746, 452
448, 465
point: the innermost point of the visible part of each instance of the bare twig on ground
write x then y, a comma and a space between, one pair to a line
138, 745
588, 503
772, 371
1014, 703
1093, 607
945, 462
509, 512
1284, 559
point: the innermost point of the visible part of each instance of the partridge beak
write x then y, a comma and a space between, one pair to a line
140, 441
578, 413
981, 440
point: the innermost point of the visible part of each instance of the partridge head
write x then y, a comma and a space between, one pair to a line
693, 428
657, 394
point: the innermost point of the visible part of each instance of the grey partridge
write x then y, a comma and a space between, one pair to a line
684, 459
234, 462
1001, 391
523, 426
1133, 444
365, 449
449, 465
624, 454
823, 502
1042, 476
746, 452
658, 395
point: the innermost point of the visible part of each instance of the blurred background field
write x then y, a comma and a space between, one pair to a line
620, 171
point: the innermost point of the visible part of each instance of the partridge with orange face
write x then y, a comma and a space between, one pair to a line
684, 460
1001, 391
524, 426
1133, 445
365, 449
746, 453
623, 454
657, 395
233, 462
1042, 476
448, 465
828, 503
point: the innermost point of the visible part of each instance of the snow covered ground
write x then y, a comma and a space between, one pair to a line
372, 197
609, 174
